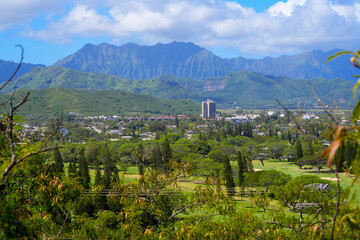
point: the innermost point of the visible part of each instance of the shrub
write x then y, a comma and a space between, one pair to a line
266, 179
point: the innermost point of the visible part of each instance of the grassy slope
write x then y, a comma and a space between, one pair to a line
52, 101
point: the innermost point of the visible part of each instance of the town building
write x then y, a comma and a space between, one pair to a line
208, 109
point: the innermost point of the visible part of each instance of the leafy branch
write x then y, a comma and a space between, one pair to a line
8, 122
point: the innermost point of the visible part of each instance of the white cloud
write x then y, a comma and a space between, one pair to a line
291, 26
81, 20
350, 12
21, 11
286, 9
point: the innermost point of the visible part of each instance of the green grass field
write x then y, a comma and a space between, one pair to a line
293, 170
189, 184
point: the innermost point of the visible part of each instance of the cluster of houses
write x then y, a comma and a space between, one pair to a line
151, 118
252, 117
97, 123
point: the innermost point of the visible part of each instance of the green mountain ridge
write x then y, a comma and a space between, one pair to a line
108, 102
187, 60
252, 89
243, 88
7, 68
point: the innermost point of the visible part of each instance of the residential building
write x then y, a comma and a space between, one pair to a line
208, 109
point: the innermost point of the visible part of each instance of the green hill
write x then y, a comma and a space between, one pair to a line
110, 102
242, 89
251, 89
166, 87
57, 76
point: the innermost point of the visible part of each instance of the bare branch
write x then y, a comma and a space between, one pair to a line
311, 222
333, 115
206, 217
337, 205
299, 127
22, 101
292, 116
281, 225
63, 225
327, 110
184, 208
13, 164
17, 69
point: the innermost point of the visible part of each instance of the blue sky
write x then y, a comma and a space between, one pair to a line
51, 30
257, 5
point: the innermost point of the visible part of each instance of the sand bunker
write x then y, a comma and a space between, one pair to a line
330, 178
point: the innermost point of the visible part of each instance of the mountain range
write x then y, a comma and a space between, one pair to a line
242, 88
187, 60
7, 68
187, 71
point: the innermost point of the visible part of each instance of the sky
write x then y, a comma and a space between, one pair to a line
51, 30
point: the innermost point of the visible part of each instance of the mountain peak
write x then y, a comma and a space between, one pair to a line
88, 46
130, 44
105, 44
135, 61
188, 60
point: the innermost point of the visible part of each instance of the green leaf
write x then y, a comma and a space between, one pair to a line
338, 54
356, 76
356, 112
356, 87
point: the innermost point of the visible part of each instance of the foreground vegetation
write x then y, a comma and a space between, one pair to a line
78, 184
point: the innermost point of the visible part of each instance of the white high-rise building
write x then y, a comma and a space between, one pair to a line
208, 109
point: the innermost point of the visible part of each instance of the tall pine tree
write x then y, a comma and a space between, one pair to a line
200, 135
72, 171
248, 128
217, 137
108, 166
141, 157
83, 170
115, 177
166, 154
177, 122
250, 166
153, 158
59, 164
229, 180
224, 136
158, 157
298, 149
98, 177
289, 138
241, 168
245, 163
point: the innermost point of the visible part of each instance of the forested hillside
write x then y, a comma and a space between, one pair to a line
111, 102
237, 89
